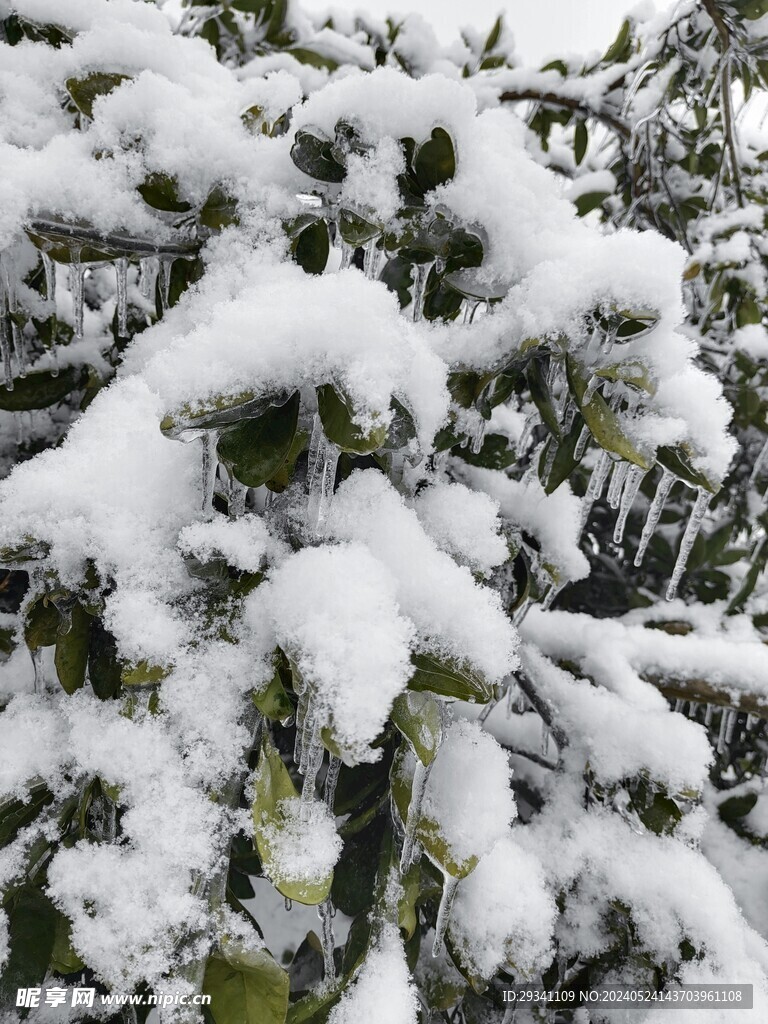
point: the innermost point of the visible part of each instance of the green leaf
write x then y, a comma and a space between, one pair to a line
494, 35
104, 667
736, 807
616, 50
428, 831
85, 91
32, 930
161, 192
580, 142
71, 658
564, 462
311, 247
41, 389
64, 959
272, 789
246, 987
314, 156
418, 717
219, 211
255, 449
143, 673
677, 462
355, 230
17, 814
448, 679
602, 421
221, 411
274, 701
435, 161
337, 417
589, 201
542, 399
41, 627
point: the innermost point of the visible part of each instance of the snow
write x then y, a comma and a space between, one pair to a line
464, 523
474, 817
243, 543
455, 618
382, 991
305, 845
333, 611
504, 914
553, 519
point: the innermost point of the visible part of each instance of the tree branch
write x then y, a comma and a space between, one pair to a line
725, 93
552, 99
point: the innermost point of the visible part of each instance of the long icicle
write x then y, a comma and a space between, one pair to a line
323, 460
631, 487
331, 780
616, 486
325, 912
654, 514
121, 275
689, 537
49, 268
420, 274
76, 279
450, 885
210, 464
418, 789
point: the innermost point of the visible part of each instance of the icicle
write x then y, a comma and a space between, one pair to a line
631, 487
331, 779
512, 697
237, 495
288, 902
418, 789
149, 268
544, 738
371, 258
599, 474
609, 340
531, 421
475, 434
9, 308
210, 464
679, 705
302, 707
5, 348
708, 714
522, 703
616, 486
312, 761
592, 386
307, 732
726, 729
325, 912
689, 537
420, 274
549, 597
166, 266
751, 721
581, 444
76, 279
450, 885
470, 309
121, 274
54, 361
39, 670
323, 460
654, 514
49, 268
693, 708
347, 255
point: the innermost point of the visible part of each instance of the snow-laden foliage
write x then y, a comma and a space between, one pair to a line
321, 387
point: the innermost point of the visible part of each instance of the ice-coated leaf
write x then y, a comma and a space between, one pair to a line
313, 155
338, 423
417, 716
41, 389
85, 91
71, 658
255, 449
427, 831
246, 986
311, 247
603, 423
274, 794
448, 679
435, 160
